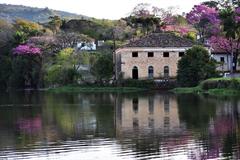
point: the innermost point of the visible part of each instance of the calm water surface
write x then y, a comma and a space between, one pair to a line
118, 126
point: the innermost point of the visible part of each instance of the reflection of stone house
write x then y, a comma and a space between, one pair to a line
153, 56
144, 114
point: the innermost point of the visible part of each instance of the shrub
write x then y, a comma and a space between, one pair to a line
220, 84
138, 83
195, 66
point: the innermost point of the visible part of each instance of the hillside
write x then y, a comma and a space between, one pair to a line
88, 27
11, 12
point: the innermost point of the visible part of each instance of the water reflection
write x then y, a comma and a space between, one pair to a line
118, 126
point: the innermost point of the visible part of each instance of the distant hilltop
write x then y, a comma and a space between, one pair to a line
12, 12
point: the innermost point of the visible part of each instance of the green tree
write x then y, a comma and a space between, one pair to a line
144, 19
195, 66
231, 30
55, 23
65, 69
103, 68
25, 29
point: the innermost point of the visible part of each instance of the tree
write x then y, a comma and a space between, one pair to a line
65, 68
143, 18
26, 67
211, 4
195, 66
6, 34
55, 23
103, 68
205, 20
25, 29
230, 20
70, 40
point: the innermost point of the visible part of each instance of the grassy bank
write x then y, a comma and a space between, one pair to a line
214, 86
92, 89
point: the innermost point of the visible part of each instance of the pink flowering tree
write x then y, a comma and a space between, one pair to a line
205, 20
27, 66
237, 15
26, 49
228, 39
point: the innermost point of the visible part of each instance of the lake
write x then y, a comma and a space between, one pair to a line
99, 126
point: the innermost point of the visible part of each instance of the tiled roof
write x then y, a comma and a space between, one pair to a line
161, 40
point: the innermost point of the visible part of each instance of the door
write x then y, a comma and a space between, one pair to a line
135, 73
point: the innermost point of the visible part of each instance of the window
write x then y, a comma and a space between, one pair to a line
222, 59
150, 72
166, 105
135, 123
135, 105
134, 54
151, 105
150, 54
166, 71
150, 122
165, 54
166, 122
181, 54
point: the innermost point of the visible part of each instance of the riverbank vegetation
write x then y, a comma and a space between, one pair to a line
214, 86
95, 88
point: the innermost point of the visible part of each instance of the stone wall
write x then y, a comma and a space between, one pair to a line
125, 62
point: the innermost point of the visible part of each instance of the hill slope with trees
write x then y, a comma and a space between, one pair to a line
12, 12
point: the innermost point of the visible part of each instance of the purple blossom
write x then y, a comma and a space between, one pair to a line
203, 14
222, 44
26, 49
237, 10
237, 17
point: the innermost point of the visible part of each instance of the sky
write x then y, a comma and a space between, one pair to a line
107, 9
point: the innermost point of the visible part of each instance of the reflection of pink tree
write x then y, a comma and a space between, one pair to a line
218, 131
30, 125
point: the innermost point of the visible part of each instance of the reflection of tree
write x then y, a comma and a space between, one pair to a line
220, 138
79, 115
195, 111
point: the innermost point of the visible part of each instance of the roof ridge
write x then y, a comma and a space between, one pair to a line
161, 40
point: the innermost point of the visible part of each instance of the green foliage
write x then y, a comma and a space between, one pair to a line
138, 83
180, 20
26, 29
146, 24
195, 66
191, 36
194, 110
5, 71
55, 23
6, 34
87, 27
221, 83
94, 89
103, 68
25, 72
64, 70
215, 87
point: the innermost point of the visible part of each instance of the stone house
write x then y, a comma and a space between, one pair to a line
154, 56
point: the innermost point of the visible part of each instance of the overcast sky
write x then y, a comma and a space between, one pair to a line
108, 9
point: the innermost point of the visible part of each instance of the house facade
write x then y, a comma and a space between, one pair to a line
154, 56
224, 60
